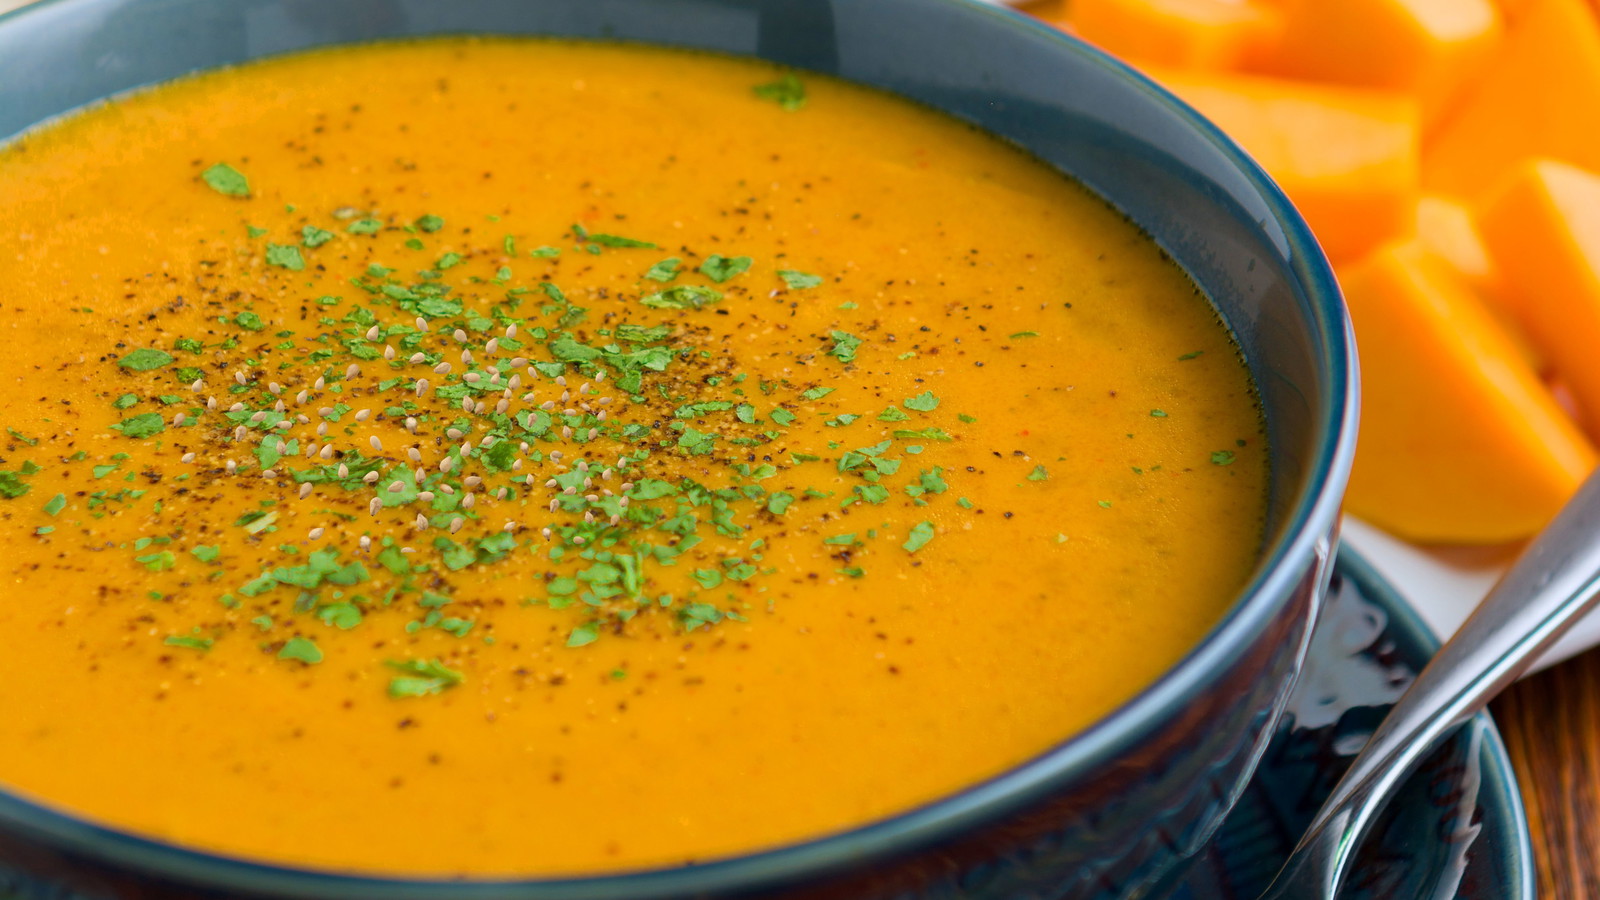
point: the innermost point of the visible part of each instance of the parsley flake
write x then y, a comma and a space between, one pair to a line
225, 179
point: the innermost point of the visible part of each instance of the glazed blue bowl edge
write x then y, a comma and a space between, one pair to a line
1115, 811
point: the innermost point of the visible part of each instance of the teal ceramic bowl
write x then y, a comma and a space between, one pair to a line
1117, 811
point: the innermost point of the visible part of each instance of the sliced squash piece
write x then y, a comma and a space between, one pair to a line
1537, 96
1347, 157
1204, 34
1460, 441
1447, 229
1542, 228
1428, 48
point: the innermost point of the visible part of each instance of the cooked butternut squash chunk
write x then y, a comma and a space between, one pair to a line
1460, 442
1542, 227
1427, 48
1446, 228
1347, 157
1205, 34
1538, 96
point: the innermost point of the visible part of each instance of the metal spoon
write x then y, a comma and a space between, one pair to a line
1550, 586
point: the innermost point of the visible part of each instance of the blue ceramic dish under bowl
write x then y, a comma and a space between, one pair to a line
1117, 811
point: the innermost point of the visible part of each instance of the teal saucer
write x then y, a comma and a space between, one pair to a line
1456, 830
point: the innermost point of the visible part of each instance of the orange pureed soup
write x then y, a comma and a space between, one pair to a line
518, 457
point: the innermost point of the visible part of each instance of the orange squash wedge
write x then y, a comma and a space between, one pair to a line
1347, 157
1460, 441
1542, 227
1538, 96
1202, 34
1428, 48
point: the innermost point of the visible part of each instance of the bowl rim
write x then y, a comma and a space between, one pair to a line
1304, 536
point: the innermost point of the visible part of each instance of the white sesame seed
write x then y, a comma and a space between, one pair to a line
351, 371
561, 380
418, 475
239, 377
446, 464
388, 352
447, 489
302, 397
187, 458
422, 386
363, 414
315, 533
178, 420
279, 407
456, 525
344, 471
472, 481
511, 331
364, 542
472, 377
305, 490
374, 506
469, 501
373, 332
236, 407
370, 477
230, 466
502, 406
466, 357
460, 336
422, 324
517, 362
554, 505
376, 444
425, 496
422, 521
274, 387
322, 429
442, 369
493, 346
548, 405
319, 384
211, 404
311, 449
411, 424
198, 386
239, 433
269, 474
303, 419
396, 487
418, 359
326, 452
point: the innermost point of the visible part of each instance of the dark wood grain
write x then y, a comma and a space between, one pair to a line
1551, 723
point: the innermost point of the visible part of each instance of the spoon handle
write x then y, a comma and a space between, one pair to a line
1550, 586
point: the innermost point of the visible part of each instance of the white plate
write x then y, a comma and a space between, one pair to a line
1444, 585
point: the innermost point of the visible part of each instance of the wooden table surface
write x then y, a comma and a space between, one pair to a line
1551, 723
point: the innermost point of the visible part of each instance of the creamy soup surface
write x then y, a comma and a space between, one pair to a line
512, 457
